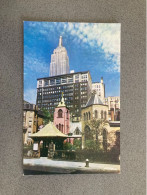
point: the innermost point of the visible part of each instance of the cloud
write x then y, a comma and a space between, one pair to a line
103, 36
35, 64
30, 95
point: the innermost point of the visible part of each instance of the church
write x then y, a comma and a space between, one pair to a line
62, 117
95, 109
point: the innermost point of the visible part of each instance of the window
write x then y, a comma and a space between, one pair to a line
64, 80
52, 82
105, 140
58, 81
45, 83
67, 114
105, 115
102, 114
40, 83
89, 116
84, 77
77, 131
76, 78
70, 80
84, 117
60, 112
59, 126
96, 114
88, 133
117, 141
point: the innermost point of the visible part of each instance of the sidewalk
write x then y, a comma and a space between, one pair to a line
48, 166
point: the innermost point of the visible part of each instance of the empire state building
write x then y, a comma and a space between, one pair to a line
59, 60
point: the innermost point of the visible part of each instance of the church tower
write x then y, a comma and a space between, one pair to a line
62, 117
59, 60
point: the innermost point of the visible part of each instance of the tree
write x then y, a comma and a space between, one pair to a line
47, 116
77, 143
96, 127
91, 145
67, 146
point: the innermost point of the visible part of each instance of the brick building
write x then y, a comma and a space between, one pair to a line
62, 117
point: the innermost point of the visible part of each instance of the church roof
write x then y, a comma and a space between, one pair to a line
94, 99
48, 131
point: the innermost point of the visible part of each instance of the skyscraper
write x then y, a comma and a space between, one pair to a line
59, 60
99, 88
76, 87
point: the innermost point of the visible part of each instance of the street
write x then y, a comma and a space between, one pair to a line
44, 165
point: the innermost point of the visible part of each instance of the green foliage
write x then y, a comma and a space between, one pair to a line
77, 144
96, 127
96, 156
92, 145
116, 148
47, 116
67, 146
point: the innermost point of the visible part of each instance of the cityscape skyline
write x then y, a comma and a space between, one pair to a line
102, 59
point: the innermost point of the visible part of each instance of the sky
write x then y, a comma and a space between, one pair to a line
90, 46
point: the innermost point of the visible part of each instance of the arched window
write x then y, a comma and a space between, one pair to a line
84, 117
60, 127
105, 115
88, 134
118, 116
57, 126
77, 131
117, 141
96, 114
89, 116
60, 112
105, 139
101, 114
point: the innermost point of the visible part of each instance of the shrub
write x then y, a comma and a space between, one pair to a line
77, 144
91, 145
67, 146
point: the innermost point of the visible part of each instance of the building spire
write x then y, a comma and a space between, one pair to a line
62, 99
62, 102
60, 41
59, 60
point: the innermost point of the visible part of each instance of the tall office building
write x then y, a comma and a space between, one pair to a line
113, 103
32, 119
59, 60
99, 88
75, 86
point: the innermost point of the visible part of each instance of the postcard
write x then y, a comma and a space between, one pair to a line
71, 111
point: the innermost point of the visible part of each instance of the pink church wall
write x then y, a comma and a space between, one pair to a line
62, 123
